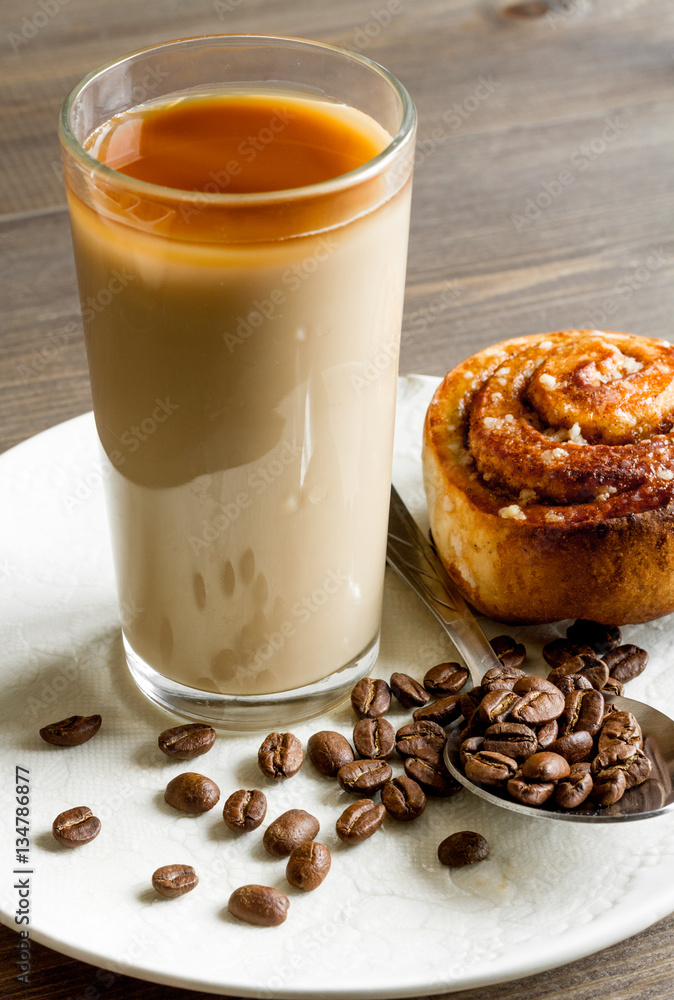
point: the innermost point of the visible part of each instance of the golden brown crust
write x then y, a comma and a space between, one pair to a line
549, 473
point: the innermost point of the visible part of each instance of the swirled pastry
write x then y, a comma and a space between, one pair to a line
549, 473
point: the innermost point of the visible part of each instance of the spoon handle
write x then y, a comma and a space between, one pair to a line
416, 562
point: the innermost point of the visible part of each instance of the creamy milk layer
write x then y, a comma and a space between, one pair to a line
244, 396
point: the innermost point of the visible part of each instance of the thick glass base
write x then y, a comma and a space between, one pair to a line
250, 713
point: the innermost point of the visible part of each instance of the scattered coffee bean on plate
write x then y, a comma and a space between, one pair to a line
359, 821
245, 809
371, 698
71, 732
288, 831
328, 751
445, 678
308, 865
408, 692
463, 848
374, 738
76, 826
174, 880
403, 798
280, 756
192, 793
259, 904
364, 777
424, 739
443, 711
187, 742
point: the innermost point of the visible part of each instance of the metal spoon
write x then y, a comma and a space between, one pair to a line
416, 562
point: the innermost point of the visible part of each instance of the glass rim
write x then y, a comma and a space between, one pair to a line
364, 172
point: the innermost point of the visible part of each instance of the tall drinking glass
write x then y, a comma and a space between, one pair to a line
240, 209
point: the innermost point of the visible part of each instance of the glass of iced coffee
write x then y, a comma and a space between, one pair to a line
240, 210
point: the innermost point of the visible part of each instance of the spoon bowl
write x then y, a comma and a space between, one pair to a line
417, 563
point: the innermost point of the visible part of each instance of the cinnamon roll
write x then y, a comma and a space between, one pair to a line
549, 473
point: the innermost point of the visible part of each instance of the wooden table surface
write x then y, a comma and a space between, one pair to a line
544, 199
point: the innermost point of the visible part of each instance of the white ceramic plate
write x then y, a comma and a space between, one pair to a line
388, 921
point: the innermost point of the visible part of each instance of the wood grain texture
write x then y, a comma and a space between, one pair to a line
544, 199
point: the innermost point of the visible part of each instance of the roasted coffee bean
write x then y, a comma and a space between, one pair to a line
581, 765
371, 698
600, 637
470, 702
288, 831
609, 786
187, 742
626, 662
628, 758
434, 778
582, 710
71, 732
403, 799
443, 711
498, 705
545, 766
374, 739
621, 726
613, 688
445, 678
574, 789
510, 652
489, 768
511, 738
573, 747
569, 682
472, 745
463, 848
192, 793
500, 678
328, 751
280, 756
538, 707
528, 683
424, 739
594, 669
359, 821
259, 904
76, 826
174, 880
244, 810
308, 865
364, 777
530, 792
559, 651
408, 691
547, 734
